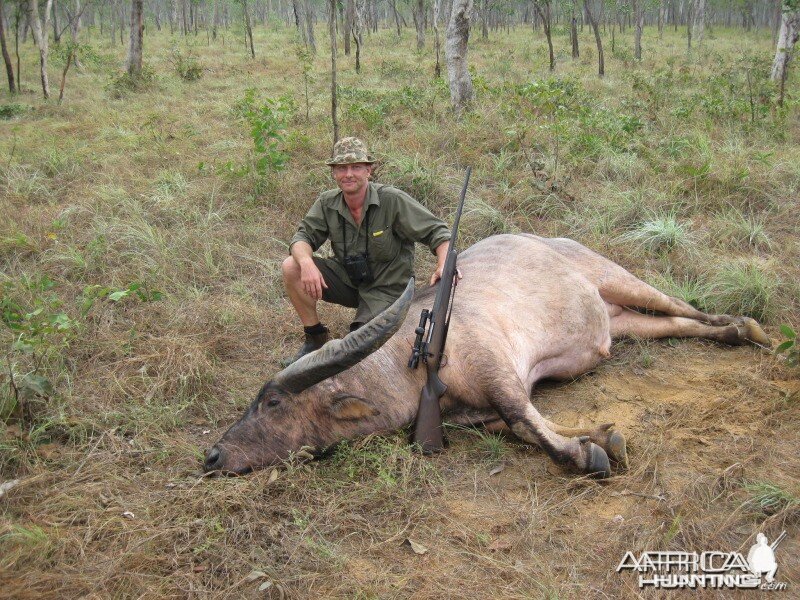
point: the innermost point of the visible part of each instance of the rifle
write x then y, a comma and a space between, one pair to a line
428, 425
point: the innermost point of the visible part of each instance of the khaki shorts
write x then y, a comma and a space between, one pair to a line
368, 300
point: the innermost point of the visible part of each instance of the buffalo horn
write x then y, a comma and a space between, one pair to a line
339, 355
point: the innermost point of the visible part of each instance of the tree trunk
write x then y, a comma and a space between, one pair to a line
393, 5
790, 31
74, 29
332, 32
40, 35
137, 33
309, 18
17, 20
358, 27
437, 6
638, 16
56, 28
248, 28
348, 25
601, 65
6, 58
698, 20
455, 50
485, 19
543, 8
419, 22
573, 32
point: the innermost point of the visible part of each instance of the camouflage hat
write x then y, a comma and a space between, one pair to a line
350, 150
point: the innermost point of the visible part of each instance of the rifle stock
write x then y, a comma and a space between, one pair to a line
428, 424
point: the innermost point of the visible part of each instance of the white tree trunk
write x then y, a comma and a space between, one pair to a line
455, 52
698, 21
40, 35
790, 28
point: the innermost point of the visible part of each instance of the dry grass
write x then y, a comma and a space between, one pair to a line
111, 192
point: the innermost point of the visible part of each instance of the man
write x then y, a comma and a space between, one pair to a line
372, 229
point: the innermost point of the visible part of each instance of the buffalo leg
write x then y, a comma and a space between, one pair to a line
619, 286
605, 436
507, 395
631, 323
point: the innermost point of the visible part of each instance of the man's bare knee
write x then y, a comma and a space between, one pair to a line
290, 269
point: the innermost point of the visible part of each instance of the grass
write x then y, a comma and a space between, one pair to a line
745, 287
660, 234
769, 497
125, 184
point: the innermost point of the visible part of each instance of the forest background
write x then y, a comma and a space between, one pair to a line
149, 185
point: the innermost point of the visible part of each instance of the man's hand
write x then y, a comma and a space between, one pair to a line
311, 280
437, 275
441, 257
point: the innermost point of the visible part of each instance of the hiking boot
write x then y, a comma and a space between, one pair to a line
313, 342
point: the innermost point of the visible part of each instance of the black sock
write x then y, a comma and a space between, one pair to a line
315, 329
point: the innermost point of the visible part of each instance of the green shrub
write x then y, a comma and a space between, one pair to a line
789, 346
187, 67
14, 109
268, 120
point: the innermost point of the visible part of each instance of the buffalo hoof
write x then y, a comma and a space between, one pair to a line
617, 449
597, 463
751, 331
613, 442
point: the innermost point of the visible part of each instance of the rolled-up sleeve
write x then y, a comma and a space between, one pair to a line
313, 228
415, 222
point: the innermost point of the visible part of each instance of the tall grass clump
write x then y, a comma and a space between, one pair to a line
744, 288
769, 498
660, 234
743, 230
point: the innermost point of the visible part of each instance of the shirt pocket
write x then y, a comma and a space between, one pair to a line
383, 245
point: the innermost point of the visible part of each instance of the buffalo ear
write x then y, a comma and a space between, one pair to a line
352, 408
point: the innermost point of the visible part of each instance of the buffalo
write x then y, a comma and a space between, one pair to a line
528, 308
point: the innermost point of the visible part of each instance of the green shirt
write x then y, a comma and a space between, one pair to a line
395, 220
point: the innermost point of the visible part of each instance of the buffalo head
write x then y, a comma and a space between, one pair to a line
294, 409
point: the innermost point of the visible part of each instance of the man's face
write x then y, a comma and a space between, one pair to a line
352, 179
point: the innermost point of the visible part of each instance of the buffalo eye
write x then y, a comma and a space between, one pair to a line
273, 402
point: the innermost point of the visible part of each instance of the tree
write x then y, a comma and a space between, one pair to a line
137, 35
358, 28
698, 20
349, 16
6, 57
332, 32
638, 25
41, 32
790, 31
248, 28
419, 22
437, 6
543, 8
455, 52
601, 66
573, 31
